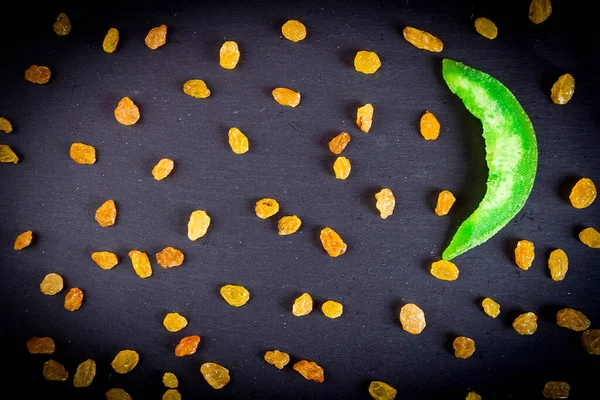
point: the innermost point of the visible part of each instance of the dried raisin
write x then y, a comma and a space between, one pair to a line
558, 263
412, 319
332, 242
590, 340
444, 270
170, 380
196, 88
125, 361
382, 391
106, 214
235, 295
38, 74
277, 358
556, 390
171, 394
464, 347
293, 30
303, 305
187, 346
386, 202
229, 55
572, 319
5, 125
111, 40
156, 37
266, 208
288, 225
174, 322
310, 370
486, 28
169, 257
524, 254
198, 225
342, 167
73, 299
55, 371
216, 375
367, 62
41, 345
162, 169
117, 394
238, 141
490, 307
364, 117
84, 376
83, 153
286, 97
62, 26
422, 40
525, 324
590, 237
583, 193
23, 240
332, 309
141, 263
51, 284
339, 143
563, 89
7, 155
539, 10
127, 113
105, 259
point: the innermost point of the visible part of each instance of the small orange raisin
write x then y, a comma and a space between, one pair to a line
37, 74
162, 169
422, 40
412, 319
583, 193
111, 40
303, 305
539, 10
332, 309
125, 361
266, 208
464, 347
229, 55
490, 307
156, 37
141, 263
238, 141
486, 28
339, 143
198, 225
558, 263
342, 167
196, 88
332, 242
40, 345
386, 202
105, 259
187, 346
106, 214
286, 97
288, 225
524, 254
367, 62
525, 324
127, 113
293, 30
429, 126
444, 270
23, 240
51, 284
83, 153
73, 299
310, 370
174, 322
590, 237
169, 257
277, 358
572, 319
364, 117
563, 89
445, 202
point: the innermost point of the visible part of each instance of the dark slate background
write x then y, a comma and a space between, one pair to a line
387, 261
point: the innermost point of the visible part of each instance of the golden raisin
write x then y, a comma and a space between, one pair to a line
539, 10
235, 295
229, 55
563, 89
84, 376
332, 242
412, 318
83, 153
169, 257
429, 126
170, 380
125, 361
171, 394
62, 26
196, 88
556, 390
266, 208
303, 305
127, 113
37, 74
162, 169
174, 322
23, 240
7, 155
277, 358
332, 309
364, 117
5, 125
558, 263
141, 263
51, 284
187, 346
73, 299
367, 62
216, 375
583, 193
339, 143
238, 141
40, 345
55, 371
422, 40
473, 396
111, 40
524, 254
293, 30
341, 167
382, 391
117, 394
525, 324
464, 347
490, 307
106, 213
288, 225
105, 259
286, 97
156, 37
486, 28
572, 319
444, 270
310, 370
386, 202
198, 225
590, 340
590, 237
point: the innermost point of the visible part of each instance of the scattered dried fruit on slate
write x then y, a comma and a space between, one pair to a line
293, 30
141, 263
445, 202
303, 305
464, 347
277, 358
111, 40
524, 254
127, 113
473, 396
5, 125
486, 28
429, 126
216, 375
266, 208
117, 394
339, 143
170, 380
364, 117
539, 10
229, 55
332, 242
73, 299
198, 224
525, 324
125, 361
171, 394
412, 318
174, 322
84, 376
62, 26
366, 62
156, 37
238, 141
444, 270
23, 240
162, 169
341, 167
556, 390
490, 307
310, 370
7, 155
196, 88
422, 40
583, 193
382, 391
38, 74
235, 295
169, 257
332, 309
187, 346
288, 225
286, 97
590, 340
572, 319
558, 263
563, 89
590, 237
105, 259
82, 153
386, 202
55, 371
40, 345
51, 284
106, 214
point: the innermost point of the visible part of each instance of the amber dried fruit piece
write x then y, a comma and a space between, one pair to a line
84, 376
286, 97
106, 214
558, 263
127, 113
7, 155
51, 284
23, 240
486, 28
386, 202
216, 375
332, 309
198, 224
364, 117
229, 55
156, 37
444, 270
490, 307
563, 89
556, 390
422, 40
429, 126
310, 370
170, 380
105, 259
303, 305
37, 74
524, 254
590, 237
141, 263
367, 62
590, 340
174, 322
332, 242
55, 371
464, 347
171, 394
169, 257
412, 318
342, 167
539, 10
473, 396
83, 153
339, 143
572, 319
111, 40
5, 125
277, 358
73, 299
294, 30
238, 141
117, 394
196, 88
266, 208
235, 295
187, 346
525, 324
288, 225
583, 193
125, 361
40, 345
62, 26
382, 391
162, 169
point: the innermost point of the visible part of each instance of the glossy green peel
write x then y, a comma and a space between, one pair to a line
511, 153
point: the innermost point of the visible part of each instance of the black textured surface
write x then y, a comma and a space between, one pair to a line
387, 260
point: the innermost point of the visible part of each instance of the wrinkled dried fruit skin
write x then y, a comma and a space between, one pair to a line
40, 345
73, 299
412, 318
127, 113
429, 126
367, 62
196, 88
111, 40
490, 307
229, 55
169, 257
62, 26
117, 394
238, 141
364, 117
464, 347
563, 89
590, 237
444, 270
84, 376
572, 319
55, 371
156, 37
286, 97
5, 125
125, 361
558, 263
198, 225
7, 155
332, 309
310, 370
445, 202
174, 322
216, 375
342, 167
105, 259
590, 340
187, 346
473, 396
386, 202
82, 153
171, 394
583, 193
288, 225
277, 358
266, 208
52, 284
525, 324
524, 254
170, 380
332, 242
293, 30
539, 10
106, 214
235, 295
339, 143
23, 240
422, 40
382, 391
37, 74
141, 263
486, 28
303, 305
162, 169
556, 390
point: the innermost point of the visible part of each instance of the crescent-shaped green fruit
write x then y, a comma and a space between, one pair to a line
511, 153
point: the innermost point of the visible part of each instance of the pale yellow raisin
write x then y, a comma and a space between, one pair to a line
563, 89
464, 347
364, 117
342, 167
162, 169
445, 202
235, 295
490, 307
174, 322
216, 375
117, 394
525, 324
277, 358
339, 143
303, 305
170, 380
238, 141
106, 214
62, 26
198, 225
382, 391
7, 155
196, 88
412, 319
5, 125
125, 361
55, 371
558, 263
590, 237
444, 270
367, 62
141, 263
332, 309
422, 40
156, 37
229, 55
82, 153
111, 40
51, 284
386, 202
572, 319
294, 30
486, 28
288, 225
84, 376
286, 97
266, 208
583, 193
